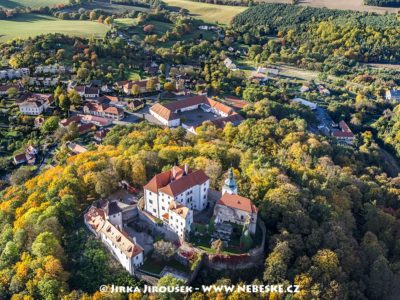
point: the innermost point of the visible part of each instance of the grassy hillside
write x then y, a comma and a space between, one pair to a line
208, 12
30, 3
31, 25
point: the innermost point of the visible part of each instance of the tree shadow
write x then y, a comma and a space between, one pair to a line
9, 4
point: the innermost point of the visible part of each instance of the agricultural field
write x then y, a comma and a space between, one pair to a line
212, 13
9, 4
32, 25
106, 6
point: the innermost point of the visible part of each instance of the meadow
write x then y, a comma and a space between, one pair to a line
212, 13
30, 3
25, 26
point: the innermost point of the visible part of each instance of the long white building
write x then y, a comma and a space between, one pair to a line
172, 196
107, 223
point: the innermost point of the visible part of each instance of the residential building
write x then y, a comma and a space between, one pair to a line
28, 157
35, 104
304, 102
103, 110
232, 208
100, 135
344, 133
171, 196
126, 86
268, 71
75, 148
229, 64
304, 88
88, 92
392, 95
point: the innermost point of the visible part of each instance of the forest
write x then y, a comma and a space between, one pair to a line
388, 3
330, 211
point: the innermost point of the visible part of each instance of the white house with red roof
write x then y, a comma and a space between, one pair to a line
107, 224
232, 208
344, 133
172, 196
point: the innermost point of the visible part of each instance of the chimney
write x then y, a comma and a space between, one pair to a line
186, 169
173, 173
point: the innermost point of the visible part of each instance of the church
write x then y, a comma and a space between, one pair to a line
232, 208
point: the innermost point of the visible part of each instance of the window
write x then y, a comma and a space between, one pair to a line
151, 201
163, 208
241, 217
154, 210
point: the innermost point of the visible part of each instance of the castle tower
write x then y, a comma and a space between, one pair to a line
230, 186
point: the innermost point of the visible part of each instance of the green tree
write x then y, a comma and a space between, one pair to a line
170, 281
50, 125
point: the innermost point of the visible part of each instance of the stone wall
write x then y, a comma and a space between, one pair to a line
156, 229
254, 258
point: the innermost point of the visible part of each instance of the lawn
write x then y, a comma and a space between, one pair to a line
25, 26
30, 3
212, 13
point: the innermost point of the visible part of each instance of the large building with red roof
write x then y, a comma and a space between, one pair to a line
172, 196
170, 114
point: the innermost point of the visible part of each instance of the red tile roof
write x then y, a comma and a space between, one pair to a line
166, 183
237, 202
164, 112
167, 111
345, 131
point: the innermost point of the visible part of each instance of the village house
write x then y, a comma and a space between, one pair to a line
51, 69
75, 148
232, 208
323, 90
43, 81
273, 72
28, 157
304, 88
87, 91
344, 133
229, 64
392, 95
107, 224
38, 122
103, 110
126, 86
172, 196
304, 102
100, 135
14, 73
35, 104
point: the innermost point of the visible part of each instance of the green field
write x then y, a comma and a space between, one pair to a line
32, 25
213, 13
30, 3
